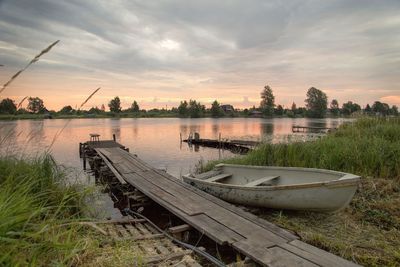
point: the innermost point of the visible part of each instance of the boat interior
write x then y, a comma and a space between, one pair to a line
251, 176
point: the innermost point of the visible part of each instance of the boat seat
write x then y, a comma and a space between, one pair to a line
261, 180
218, 177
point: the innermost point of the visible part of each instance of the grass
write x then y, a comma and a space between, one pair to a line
366, 232
40, 219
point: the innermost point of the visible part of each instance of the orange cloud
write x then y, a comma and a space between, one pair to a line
391, 99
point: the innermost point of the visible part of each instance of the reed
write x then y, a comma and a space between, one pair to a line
35, 59
368, 231
42, 221
33, 200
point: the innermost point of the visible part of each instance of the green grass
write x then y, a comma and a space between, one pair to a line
369, 147
368, 231
40, 217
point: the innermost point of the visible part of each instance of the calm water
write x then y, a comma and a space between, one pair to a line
156, 141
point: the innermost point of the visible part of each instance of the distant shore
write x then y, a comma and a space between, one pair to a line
9, 117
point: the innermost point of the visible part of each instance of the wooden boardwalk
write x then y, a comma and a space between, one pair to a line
263, 242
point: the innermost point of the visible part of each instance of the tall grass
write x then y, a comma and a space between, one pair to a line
368, 147
34, 203
368, 231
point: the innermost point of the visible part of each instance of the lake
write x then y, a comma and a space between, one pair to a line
155, 140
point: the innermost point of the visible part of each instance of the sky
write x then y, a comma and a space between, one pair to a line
161, 52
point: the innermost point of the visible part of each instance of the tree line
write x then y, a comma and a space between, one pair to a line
316, 106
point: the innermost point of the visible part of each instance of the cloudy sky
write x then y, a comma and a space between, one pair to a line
160, 52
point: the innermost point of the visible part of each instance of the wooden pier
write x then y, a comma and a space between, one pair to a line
235, 146
309, 129
261, 241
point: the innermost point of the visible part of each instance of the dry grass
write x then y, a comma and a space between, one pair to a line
367, 232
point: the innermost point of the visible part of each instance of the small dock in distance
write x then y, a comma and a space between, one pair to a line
235, 146
258, 240
309, 129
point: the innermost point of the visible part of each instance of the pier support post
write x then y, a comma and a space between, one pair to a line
84, 161
114, 138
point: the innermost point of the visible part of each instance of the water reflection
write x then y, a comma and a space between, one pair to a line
154, 140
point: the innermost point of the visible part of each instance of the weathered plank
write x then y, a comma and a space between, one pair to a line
319, 256
111, 167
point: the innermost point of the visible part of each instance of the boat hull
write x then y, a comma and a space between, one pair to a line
327, 196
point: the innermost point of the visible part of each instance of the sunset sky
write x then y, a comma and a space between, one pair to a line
161, 52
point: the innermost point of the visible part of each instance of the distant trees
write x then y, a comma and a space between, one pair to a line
279, 110
66, 110
135, 106
193, 109
316, 103
36, 105
196, 110
334, 107
267, 103
350, 107
216, 110
183, 109
368, 109
115, 105
379, 107
8, 106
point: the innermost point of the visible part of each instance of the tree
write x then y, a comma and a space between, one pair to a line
66, 110
350, 107
267, 103
367, 109
316, 103
195, 109
279, 110
183, 108
94, 110
335, 110
294, 108
216, 110
7, 105
35, 105
103, 108
380, 108
135, 106
115, 105
394, 111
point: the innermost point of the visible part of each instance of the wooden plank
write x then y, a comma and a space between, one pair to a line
171, 256
218, 177
317, 255
132, 230
279, 257
143, 229
261, 181
115, 171
216, 230
274, 256
179, 228
122, 230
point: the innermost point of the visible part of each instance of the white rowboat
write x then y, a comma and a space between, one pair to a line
278, 187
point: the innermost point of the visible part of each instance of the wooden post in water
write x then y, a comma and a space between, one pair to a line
84, 160
180, 137
114, 138
80, 150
